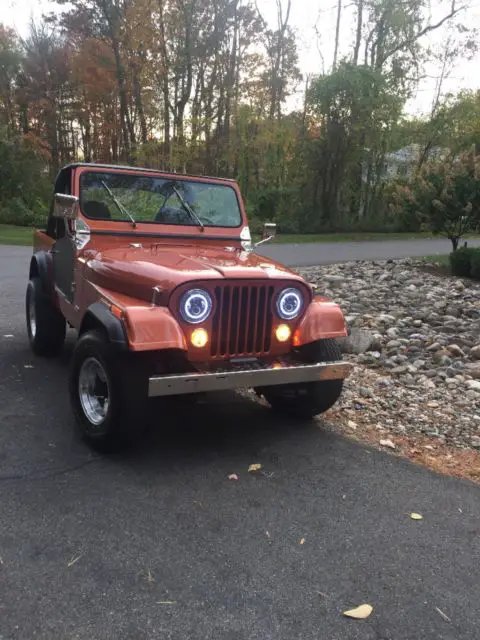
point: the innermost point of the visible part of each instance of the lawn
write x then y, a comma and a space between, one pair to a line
442, 260
10, 234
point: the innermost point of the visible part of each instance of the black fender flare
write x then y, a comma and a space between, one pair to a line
41, 265
98, 314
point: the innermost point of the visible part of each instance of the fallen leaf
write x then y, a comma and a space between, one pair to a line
167, 602
73, 560
302, 541
387, 443
352, 425
361, 612
444, 615
255, 467
233, 476
416, 516
150, 577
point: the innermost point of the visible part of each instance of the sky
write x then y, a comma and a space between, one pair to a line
314, 24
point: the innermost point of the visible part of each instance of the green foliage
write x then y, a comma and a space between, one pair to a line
445, 196
465, 262
357, 108
460, 262
475, 263
283, 206
460, 118
25, 189
16, 212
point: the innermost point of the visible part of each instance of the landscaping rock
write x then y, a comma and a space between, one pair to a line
475, 352
415, 343
357, 342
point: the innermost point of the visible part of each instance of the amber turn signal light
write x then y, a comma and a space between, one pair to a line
199, 338
283, 332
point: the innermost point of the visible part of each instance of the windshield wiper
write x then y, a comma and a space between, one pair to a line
120, 206
188, 208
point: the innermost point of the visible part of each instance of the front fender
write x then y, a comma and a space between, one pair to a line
152, 328
145, 327
323, 319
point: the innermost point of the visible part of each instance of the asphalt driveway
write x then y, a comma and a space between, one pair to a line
311, 254
159, 544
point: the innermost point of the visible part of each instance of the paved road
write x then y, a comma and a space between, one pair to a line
92, 548
309, 254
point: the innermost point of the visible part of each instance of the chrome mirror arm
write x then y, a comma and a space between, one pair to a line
257, 244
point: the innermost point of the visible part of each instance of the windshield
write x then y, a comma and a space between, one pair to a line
121, 196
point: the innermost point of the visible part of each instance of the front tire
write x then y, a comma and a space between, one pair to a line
46, 327
306, 400
108, 394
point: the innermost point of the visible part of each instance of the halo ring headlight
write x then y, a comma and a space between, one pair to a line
289, 303
195, 306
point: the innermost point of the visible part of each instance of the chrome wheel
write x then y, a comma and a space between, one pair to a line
93, 390
32, 322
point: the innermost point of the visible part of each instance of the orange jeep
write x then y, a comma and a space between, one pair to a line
157, 274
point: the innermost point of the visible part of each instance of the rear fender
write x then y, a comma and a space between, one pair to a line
323, 319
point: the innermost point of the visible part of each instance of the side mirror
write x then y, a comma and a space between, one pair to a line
269, 232
65, 206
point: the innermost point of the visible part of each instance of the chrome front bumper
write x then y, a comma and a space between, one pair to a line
262, 377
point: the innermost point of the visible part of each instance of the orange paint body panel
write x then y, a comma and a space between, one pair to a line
153, 328
323, 319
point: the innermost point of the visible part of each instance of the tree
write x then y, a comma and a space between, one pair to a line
445, 196
10, 60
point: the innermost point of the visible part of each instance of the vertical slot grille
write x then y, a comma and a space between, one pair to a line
242, 324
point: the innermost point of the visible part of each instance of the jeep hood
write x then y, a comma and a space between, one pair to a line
136, 270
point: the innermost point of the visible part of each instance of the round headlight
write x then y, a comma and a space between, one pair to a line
289, 304
195, 306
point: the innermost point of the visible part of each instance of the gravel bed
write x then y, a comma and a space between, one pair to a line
415, 341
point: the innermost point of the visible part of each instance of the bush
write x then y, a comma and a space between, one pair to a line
460, 261
25, 187
445, 196
17, 212
475, 263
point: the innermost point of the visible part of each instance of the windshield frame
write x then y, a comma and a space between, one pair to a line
148, 173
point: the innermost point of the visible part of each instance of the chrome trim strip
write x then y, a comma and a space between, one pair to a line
204, 382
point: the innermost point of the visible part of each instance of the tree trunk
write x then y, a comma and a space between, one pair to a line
139, 106
358, 36
127, 129
454, 240
337, 35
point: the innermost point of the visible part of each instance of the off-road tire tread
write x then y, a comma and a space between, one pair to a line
124, 425
305, 401
50, 324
